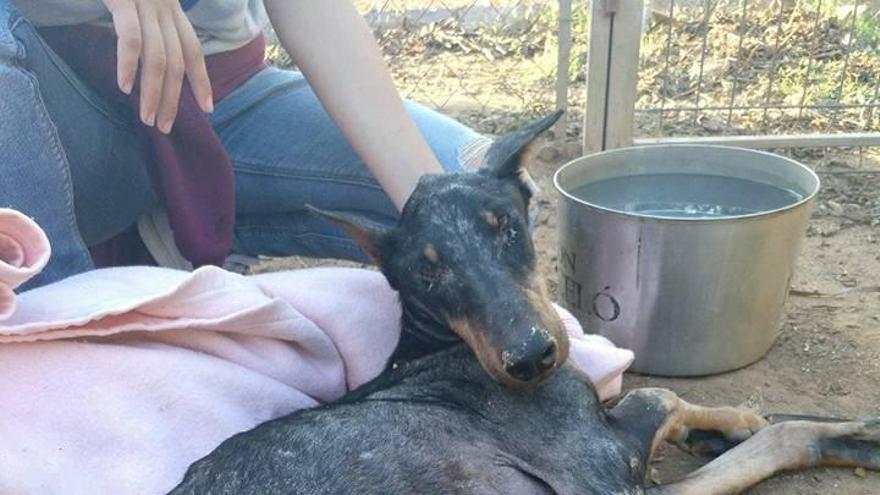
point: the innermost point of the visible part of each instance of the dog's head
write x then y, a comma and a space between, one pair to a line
462, 260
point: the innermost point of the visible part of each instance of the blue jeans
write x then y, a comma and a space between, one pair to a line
74, 163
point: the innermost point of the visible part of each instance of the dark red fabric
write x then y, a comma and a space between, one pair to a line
191, 172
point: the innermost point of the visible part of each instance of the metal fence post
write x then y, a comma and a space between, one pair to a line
612, 73
563, 60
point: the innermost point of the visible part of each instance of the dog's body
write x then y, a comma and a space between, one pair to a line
436, 425
471, 420
441, 425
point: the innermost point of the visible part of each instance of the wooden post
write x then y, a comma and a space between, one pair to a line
612, 73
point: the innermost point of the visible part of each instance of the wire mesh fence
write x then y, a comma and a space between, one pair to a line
792, 68
803, 73
759, 67
706, 67
489, 63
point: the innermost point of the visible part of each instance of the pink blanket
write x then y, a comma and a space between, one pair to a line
115, 380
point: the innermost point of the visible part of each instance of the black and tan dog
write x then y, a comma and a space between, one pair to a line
438, 423
463, 264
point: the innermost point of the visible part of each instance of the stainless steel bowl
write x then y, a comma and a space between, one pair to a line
690, 296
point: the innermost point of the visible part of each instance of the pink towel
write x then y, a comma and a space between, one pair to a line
115, 380
24, 251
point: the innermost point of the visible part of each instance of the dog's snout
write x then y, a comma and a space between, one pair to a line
532, 359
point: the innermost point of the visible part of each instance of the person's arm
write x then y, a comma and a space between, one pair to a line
335, 50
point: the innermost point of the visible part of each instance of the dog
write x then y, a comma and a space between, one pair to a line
462, 261
477, 398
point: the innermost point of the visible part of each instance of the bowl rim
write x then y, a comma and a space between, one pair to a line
725, 218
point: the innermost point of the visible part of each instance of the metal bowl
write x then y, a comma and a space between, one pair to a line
692, 295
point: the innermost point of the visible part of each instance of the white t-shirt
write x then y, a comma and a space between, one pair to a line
221, 25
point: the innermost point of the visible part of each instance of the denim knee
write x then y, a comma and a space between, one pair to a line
456, 146
9, 46
13, 28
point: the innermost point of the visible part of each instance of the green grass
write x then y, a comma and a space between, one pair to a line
868, 30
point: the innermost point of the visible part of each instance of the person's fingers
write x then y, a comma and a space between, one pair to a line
153, 63
174, 71
165, 43
128, 42
194, 63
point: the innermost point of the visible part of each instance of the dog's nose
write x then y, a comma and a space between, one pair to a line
532, 359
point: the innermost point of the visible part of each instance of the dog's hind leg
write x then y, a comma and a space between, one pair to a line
783, 447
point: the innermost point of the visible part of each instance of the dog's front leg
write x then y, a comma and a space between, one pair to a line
656, 415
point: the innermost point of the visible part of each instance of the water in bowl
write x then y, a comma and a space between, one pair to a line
686, 195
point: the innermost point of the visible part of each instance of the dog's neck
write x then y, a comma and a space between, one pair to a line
421, 334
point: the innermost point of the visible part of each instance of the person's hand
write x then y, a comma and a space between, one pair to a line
158, 34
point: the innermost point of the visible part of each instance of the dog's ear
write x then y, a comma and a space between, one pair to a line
368, 234
504, 160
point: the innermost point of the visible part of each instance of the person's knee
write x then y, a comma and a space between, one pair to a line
457, 147
6, 8
472, 153
10, 23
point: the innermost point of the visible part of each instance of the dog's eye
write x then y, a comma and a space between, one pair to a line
506, 231
431, 276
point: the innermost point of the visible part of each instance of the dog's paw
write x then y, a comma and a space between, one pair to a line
738, 425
